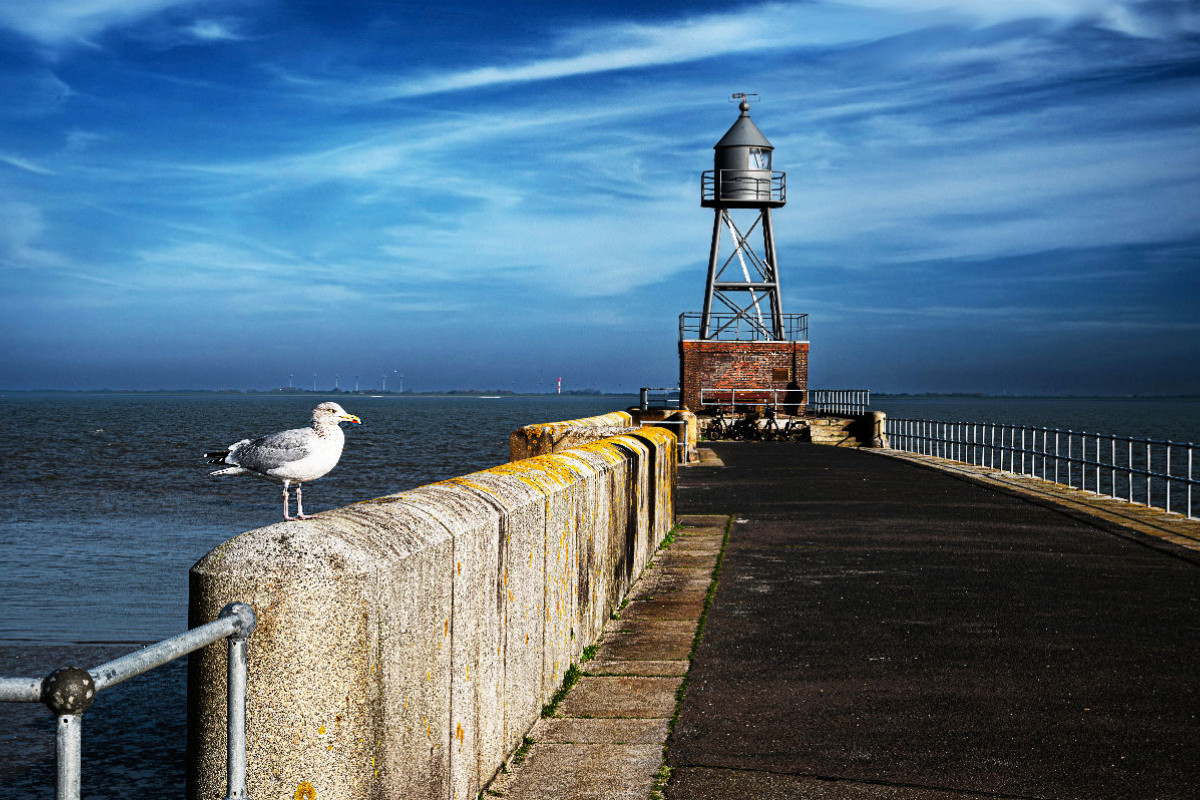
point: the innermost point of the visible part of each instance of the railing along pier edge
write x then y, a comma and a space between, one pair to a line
69, 691
1125, 468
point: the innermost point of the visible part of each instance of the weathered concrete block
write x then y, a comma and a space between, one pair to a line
602, 474
474, 631
551, 437
524, 499
340, 644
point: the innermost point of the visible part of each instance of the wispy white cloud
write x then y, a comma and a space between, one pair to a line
216, 30
769, 27
1145, 18
56, 22
618, 46
22, 229
24, 164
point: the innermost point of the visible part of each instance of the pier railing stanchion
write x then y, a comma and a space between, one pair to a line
236, 738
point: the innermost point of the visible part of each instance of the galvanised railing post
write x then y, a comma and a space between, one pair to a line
1148, 471
1011, 449
68, 753
1070, 460
1112, 471
1129, 471
1167, 472
68, 692
1056, 458
236, 711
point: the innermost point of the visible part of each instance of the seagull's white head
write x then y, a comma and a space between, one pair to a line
332, 412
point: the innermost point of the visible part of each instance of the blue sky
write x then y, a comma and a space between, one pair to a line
983, 196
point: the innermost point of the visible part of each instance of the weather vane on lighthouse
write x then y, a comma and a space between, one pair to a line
742, 340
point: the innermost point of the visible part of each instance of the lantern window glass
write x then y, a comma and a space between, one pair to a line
760, 158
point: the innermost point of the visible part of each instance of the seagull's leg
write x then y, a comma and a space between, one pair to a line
286, 516
300, 505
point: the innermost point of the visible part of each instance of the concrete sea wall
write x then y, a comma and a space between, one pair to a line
406, 644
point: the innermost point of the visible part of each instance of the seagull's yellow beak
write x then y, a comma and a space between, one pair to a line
351, 418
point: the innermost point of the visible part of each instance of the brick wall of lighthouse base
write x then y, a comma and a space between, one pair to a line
740, 365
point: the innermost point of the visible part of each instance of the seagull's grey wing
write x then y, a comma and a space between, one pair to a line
271, 452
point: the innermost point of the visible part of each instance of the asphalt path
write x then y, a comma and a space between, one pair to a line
883, 630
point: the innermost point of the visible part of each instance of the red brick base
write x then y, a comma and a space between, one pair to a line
740, 365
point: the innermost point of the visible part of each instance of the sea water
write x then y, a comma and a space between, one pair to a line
106, 502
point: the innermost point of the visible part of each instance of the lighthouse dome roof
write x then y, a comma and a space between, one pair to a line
743, 133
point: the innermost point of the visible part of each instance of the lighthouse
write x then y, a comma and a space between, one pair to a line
742, 344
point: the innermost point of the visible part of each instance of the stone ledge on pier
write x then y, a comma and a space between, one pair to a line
405, 645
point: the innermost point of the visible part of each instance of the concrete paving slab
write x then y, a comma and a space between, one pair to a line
705, 531
660, 583
702, 520
698, 545
611, 667
599, 731
687, 608
702, 562
582, 772
650, 640
624, 696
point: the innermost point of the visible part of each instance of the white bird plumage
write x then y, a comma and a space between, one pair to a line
290, 457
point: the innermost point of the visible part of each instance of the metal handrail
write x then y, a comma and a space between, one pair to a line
740, 328
726, 398
1092, 462
839, 401
69, 691
663, 397
820, 401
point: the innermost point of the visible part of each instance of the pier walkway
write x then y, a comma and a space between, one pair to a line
884, 630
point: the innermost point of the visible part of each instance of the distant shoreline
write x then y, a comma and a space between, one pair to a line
488, 393
981, 396
498, 393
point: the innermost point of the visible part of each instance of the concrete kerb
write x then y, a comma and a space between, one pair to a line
396, 653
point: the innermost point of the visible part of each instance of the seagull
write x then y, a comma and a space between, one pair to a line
296, 456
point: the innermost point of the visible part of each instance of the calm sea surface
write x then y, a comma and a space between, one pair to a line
106, 502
